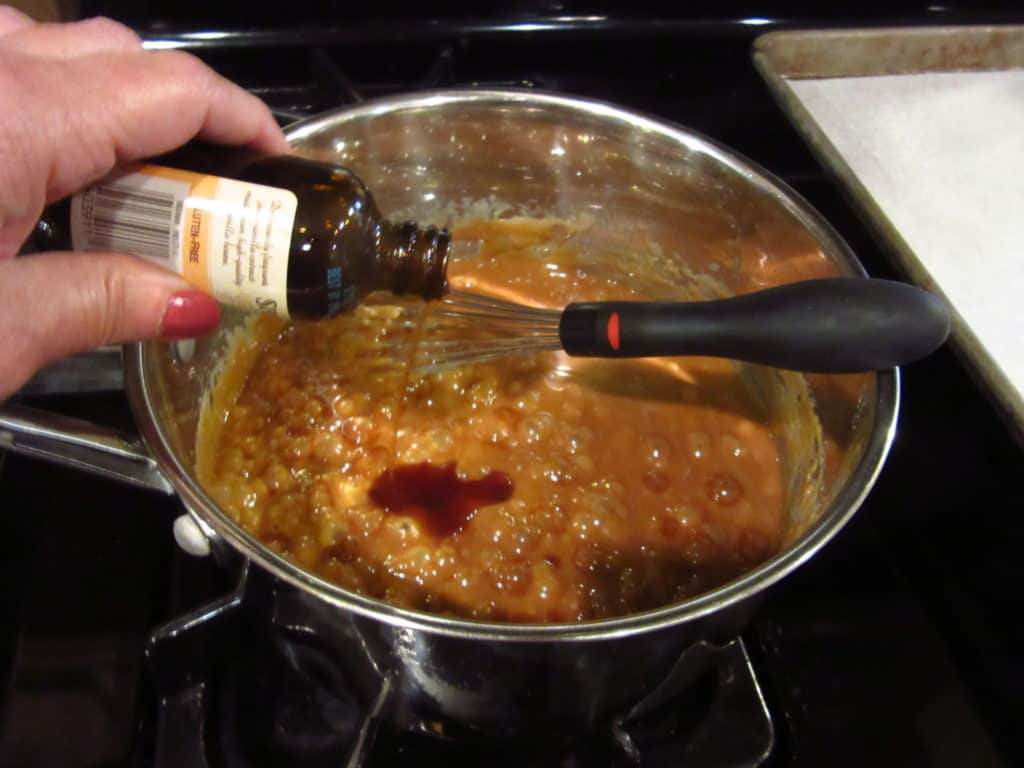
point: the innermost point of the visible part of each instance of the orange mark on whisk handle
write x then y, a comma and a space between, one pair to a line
613, 330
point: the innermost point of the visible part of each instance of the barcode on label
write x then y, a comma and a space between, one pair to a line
137, 213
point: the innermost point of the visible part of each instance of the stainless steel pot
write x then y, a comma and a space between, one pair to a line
436, 156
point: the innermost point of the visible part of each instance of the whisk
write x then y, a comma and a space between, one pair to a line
832, 325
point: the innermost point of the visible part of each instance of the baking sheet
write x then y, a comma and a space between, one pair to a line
926, 128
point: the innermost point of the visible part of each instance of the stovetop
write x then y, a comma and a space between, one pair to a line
893, 647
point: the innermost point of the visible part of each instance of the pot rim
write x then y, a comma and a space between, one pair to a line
838, 513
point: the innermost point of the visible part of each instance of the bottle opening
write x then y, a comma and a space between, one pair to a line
416, 258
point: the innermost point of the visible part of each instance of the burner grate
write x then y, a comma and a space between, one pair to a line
236, 690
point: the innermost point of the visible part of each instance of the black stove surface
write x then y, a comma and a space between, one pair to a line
893, 647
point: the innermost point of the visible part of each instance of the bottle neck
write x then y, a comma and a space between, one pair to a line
412, 259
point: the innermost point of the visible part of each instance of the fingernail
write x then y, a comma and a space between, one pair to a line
189, 314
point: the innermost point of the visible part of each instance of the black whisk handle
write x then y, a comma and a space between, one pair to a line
834, 325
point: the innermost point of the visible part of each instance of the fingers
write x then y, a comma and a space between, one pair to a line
69, 120
203, 103
128, 106
66, 41
11, 20
57, 304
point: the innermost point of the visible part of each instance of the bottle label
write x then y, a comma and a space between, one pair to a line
229, 238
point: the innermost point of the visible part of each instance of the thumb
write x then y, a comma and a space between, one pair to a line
57, 304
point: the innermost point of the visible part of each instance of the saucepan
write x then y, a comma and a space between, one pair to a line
641, 183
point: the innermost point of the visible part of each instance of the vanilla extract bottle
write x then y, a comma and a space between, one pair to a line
278, 234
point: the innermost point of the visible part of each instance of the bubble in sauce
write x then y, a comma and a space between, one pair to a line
558, 378
657, 450
656, 481
732, 446
724, 489
699, 444
535, 427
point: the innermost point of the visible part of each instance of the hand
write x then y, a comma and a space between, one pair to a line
76, 100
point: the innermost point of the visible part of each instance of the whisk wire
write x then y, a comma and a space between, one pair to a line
468, 297
433, 346
457, 360
504, 317
466, 328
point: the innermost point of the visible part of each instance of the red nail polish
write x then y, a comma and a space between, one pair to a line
189, 314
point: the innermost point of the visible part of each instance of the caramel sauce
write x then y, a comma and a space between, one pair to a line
436, 496
636, 483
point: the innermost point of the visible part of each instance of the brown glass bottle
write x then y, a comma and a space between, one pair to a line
341, 248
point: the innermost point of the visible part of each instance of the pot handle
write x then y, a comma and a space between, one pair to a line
80, 444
